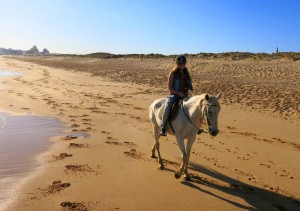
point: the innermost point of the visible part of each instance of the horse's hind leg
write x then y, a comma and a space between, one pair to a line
156, 146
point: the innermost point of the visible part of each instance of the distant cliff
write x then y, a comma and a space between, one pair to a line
34, 51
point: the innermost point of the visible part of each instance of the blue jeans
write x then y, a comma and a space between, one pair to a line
168, 105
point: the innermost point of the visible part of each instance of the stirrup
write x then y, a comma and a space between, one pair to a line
163, 132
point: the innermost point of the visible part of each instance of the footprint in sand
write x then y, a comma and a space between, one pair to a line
93, 108
74, 145
73, 116
78, 168
74, 206
133, 153
100, 112
111, 140
273, 163
230, 128
75, 125
68, 138
86, 120
285, 174
61, 156
88, 124
243, 158
243, 173
82, 130
129, 144
253, 179
266, 165
55, 187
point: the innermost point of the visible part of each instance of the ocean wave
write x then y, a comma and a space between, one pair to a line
3, 122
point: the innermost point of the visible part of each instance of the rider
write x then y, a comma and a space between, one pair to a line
179, 82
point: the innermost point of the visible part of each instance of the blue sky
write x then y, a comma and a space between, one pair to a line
151, 26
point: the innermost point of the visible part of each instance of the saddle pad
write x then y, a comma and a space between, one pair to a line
174, 110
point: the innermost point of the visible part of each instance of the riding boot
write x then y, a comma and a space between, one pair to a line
163, 132
168, 105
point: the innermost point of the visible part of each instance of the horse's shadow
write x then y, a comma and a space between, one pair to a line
257, 198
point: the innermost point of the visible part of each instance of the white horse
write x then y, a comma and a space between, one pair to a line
192, 114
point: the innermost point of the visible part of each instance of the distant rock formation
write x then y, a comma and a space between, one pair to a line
34, 51
10, 51
45, 52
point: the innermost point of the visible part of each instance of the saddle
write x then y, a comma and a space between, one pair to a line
175, 109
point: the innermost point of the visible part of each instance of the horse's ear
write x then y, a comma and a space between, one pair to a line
206, 97
219, 96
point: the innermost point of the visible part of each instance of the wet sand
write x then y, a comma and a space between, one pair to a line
252, 164
22, 138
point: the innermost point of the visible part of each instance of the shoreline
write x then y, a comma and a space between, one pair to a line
22, 140
111, 168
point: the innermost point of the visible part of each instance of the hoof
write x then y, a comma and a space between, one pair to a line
161, 167
153, 156
187, 178
177, 175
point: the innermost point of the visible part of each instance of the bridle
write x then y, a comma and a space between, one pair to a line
206, 113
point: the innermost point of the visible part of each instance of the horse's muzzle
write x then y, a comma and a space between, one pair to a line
213, 132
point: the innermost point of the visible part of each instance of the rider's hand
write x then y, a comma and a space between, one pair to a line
181, 94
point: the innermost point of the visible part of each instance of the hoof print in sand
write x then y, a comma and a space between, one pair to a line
73, 206
133, 153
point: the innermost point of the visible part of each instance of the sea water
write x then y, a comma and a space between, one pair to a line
21, 139
4, 73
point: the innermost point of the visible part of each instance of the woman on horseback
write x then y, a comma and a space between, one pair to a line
179, 83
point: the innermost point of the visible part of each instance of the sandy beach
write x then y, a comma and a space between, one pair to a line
253, 164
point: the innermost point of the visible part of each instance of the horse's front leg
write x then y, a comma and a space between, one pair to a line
180, 143
190, 142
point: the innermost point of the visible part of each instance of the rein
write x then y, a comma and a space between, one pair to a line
200, 130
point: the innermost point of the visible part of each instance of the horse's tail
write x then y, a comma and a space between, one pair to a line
151, 112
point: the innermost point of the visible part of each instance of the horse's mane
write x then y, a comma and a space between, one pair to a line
199, 99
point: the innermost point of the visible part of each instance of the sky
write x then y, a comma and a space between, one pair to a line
151, 26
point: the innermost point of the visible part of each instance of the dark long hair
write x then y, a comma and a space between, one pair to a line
185, 72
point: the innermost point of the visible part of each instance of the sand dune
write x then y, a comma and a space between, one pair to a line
252, 164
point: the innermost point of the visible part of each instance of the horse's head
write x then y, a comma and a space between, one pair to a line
210, 111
